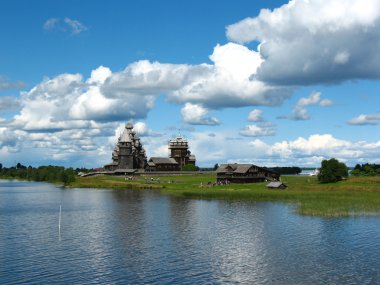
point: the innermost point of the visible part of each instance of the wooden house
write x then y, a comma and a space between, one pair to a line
244, 173
162, 164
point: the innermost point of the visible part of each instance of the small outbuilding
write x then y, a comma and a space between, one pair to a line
277, 185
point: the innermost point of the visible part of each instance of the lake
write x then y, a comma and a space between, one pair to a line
143, 237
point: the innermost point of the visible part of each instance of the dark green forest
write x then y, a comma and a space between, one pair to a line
366, 170
292, 170
42, 173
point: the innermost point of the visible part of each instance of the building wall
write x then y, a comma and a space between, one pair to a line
125, 158
125, 162
248, 177
179, 154
167, 167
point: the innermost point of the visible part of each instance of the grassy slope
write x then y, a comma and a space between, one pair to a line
356, 196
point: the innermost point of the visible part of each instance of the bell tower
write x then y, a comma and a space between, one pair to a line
179, 150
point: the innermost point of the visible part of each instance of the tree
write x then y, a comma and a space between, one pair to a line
67, 176
332, 171
216, 166
189, 167
20, 166
358, 167
356, 172
369, 170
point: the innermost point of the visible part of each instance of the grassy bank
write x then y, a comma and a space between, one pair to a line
113, 182
356, 196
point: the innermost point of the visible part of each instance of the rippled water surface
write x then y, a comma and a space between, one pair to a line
139, 237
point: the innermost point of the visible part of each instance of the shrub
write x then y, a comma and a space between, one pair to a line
189, 167
332, 171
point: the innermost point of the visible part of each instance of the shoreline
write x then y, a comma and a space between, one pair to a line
357, 196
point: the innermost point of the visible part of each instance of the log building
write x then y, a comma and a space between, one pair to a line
179, 151
162, 164
244, 173
128, 153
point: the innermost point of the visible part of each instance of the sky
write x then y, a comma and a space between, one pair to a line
274, 83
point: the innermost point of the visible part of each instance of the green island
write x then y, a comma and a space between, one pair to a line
351, 197
358, 194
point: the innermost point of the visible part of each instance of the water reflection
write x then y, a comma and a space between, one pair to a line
119, 237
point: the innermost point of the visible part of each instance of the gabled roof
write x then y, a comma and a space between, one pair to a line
234, 167
276, 184
241, 168
163, 160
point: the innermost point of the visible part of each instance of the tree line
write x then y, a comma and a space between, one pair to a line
332, 170
42, 173
288, 170
366, 170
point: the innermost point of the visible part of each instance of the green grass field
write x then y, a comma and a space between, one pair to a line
355, 196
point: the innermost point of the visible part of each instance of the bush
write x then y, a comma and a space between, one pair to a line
189, 167
332, 171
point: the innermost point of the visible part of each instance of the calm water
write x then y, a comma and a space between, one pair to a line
139, 237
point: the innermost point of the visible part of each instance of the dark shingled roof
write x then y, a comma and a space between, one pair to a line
163, 160
237, 168
240, 168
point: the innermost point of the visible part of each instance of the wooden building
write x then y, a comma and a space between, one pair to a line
244, 173
162, 164
277, 185
179, 150
128, 153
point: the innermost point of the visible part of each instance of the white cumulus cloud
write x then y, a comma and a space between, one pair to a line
195, 114
142, 129
260, 130
302, 151
230, 82
255, 116
300, 111
70, 101
371, 119
314, 41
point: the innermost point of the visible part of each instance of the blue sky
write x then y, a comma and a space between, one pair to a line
264, 82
